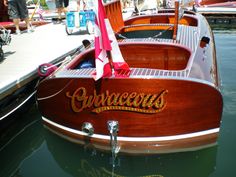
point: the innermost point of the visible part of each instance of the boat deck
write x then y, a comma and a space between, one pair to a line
187, 36
47, 44
135, 73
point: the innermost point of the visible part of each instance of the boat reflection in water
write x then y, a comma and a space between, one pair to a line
85, 161
33, 150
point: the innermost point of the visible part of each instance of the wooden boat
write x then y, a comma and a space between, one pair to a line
170, 102
211, 2
227, 4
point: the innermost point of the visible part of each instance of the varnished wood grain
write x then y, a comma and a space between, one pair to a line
187, 104
208, 2
190, 106
160, 18
113, 12
147, 55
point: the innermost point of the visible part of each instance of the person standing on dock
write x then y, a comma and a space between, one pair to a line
61, 6
17, 10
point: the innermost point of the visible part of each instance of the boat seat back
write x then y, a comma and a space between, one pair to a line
114, 14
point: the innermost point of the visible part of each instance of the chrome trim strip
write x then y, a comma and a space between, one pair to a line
135, 139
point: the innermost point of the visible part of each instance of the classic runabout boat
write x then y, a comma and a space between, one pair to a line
226, 5
168, 101
212, 2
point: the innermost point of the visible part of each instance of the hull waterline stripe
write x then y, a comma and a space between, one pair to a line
135, 139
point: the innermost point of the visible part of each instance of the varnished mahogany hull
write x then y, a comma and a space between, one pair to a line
187, 113
137, 146
209, 2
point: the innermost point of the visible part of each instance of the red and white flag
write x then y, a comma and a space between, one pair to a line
105, 41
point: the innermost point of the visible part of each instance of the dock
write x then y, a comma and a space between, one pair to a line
47, 44
223, 17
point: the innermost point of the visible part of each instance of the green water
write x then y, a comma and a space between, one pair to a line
27, 149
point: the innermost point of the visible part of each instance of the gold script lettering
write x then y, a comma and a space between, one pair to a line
135, 102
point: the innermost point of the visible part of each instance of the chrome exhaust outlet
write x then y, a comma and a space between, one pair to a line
113, 127
88, 128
